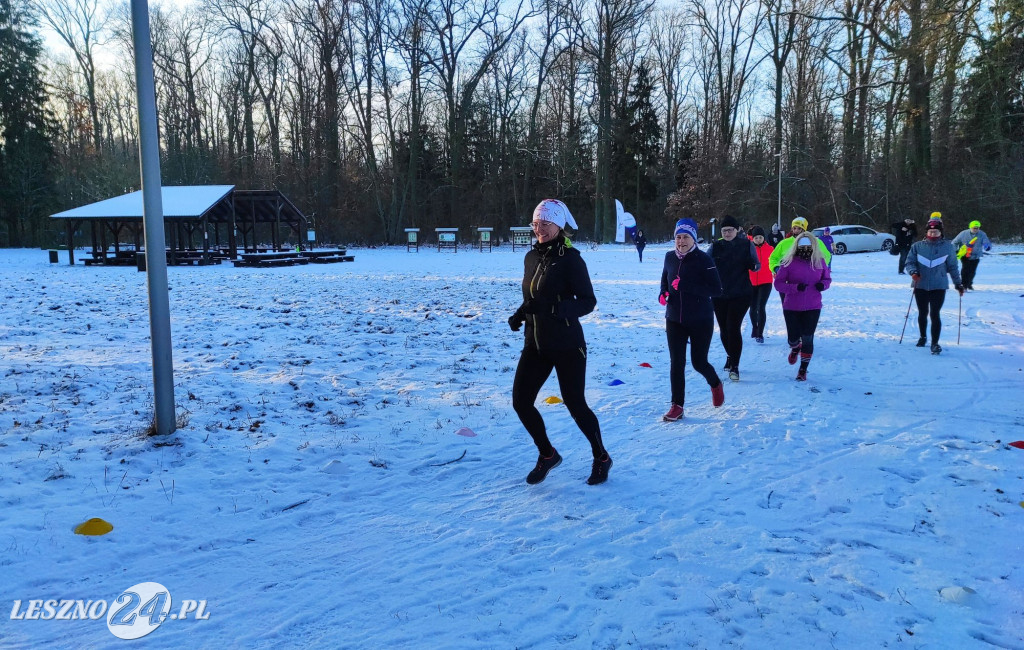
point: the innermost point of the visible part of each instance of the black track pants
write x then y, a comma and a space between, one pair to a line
758, 308
729, 313
929, 303
699, 337
571, 368
968, 269
802, 324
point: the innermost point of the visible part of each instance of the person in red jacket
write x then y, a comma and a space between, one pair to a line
761, 280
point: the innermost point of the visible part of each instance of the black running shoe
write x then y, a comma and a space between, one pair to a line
921, 342
599, 474
936, 348
544, 465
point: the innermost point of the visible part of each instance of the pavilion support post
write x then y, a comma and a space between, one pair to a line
277, 226
153, 218
253, 206
206, 240
115, 230
71, 242
232, 231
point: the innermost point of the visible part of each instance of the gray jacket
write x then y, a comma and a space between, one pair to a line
980, 246
932, 261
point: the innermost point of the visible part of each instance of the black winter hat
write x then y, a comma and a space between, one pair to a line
757, 230
730, 222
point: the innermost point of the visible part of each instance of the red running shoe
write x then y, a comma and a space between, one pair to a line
674, 413
794, 353
718, 395
801, 375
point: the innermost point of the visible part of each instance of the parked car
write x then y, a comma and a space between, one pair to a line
852, 239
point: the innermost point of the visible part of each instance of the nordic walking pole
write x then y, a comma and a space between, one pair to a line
913, 285
959, 311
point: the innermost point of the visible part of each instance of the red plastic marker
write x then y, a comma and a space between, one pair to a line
645, 365
1018, 444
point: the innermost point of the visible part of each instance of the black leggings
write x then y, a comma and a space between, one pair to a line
571, 368
729, 313
968, 268
758, 307
699, 337
801, 325
929, 303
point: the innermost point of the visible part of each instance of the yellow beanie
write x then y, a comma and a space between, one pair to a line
936, 215
799, 221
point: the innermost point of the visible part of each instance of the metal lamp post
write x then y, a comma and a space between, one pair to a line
778, 216
153, 218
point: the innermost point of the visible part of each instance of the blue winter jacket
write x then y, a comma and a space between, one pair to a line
932, 261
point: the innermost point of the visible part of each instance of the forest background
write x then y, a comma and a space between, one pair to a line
378, 115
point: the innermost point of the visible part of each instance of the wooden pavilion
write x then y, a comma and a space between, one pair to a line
215, 215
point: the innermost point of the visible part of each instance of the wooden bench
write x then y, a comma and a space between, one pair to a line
332, 258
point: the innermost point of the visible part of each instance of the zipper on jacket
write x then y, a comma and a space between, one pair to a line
679, 272
542, 265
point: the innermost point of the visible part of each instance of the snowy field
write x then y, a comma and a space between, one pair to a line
318, 494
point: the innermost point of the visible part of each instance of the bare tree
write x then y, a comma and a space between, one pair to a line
727, 35
461, 27
553, 42
81, 24
668, 40
257, 61
318, 54
601, 33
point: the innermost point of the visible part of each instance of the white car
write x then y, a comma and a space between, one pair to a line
852, 239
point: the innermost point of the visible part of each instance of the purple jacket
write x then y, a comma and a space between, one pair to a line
788, 279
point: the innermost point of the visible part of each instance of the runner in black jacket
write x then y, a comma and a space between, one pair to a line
556, 293
688, 282
735, 257
906, 234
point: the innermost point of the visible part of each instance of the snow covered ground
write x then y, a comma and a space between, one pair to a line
317, 493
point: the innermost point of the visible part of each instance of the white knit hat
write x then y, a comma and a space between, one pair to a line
554, 211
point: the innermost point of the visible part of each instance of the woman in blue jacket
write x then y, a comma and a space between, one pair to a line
929, 262
689, 280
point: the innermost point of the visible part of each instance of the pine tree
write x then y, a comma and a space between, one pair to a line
994, 93
637, 144
26, 149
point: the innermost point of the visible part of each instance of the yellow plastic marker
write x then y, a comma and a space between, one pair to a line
553, 400
94, 527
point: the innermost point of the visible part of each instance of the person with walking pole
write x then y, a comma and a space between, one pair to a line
929, 262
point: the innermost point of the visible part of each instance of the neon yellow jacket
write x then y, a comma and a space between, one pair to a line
785, 245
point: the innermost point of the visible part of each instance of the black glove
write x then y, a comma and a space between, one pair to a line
801, 287
820, 286
960, 289
514, 323
537, 307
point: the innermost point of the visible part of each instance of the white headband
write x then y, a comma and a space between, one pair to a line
554, 211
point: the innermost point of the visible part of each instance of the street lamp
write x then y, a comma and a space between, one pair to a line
778, 217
